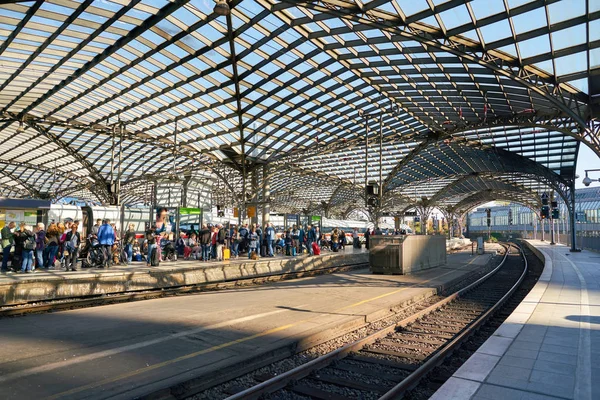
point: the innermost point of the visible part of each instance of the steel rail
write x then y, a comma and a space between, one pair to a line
413, 379
282, 380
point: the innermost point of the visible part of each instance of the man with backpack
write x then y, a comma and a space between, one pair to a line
7, 243
221, 236
106, 238
27, 252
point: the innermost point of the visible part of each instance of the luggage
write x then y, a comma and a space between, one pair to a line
226, 254
154, 260
316, 249
187, 251
254, 256
263, 251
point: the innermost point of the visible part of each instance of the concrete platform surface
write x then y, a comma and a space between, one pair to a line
57, 284
128, 350
549, 347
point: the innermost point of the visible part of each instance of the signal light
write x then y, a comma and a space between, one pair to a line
545, 212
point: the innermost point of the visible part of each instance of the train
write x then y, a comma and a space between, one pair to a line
181, 219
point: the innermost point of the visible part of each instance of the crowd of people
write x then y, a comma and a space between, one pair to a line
216, 242
39, 248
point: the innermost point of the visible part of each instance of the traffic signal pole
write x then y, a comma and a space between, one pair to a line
552, 219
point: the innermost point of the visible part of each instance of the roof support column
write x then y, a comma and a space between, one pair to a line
572, 220
266, 194
254, 189
238, 99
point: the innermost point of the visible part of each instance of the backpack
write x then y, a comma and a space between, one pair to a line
29, 243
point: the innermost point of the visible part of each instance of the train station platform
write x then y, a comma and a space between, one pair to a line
131, 350
549, 347
60, 284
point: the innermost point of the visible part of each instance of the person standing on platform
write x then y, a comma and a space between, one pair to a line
367, 236
310, 239
253, 243
301, 239
342, 240
96, 227
204, 241
235, 243
259, 233
213, 242
318, 235
271, 236
40, 244
72, 242
28, 247
243, 231
106, 238
335, 239
151, 241
221, 236
355, 240
52, 244
129, 240
18, 241
295, 236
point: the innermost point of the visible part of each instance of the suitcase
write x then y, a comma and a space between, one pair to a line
226, 254
154, 260
316, 249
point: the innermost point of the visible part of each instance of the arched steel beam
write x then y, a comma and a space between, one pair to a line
154, 19
65, 175
489, 176
560, 95
482, 197
94, 173
515, 162
30, 189
345, 186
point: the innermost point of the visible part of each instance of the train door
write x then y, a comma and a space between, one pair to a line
87, 221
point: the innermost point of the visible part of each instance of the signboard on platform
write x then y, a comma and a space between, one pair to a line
190, 211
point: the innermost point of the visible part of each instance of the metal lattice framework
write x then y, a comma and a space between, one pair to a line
459, 100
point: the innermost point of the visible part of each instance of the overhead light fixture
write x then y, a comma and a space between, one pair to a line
21, 128
222, 8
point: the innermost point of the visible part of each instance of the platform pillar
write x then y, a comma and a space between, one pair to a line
572, 219
254, 190
266, 194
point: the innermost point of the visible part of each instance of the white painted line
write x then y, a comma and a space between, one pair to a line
583, 377
117, 350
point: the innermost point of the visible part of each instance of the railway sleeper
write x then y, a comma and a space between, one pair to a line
387, 363
368, 372
354, 384
399, 354
316, 393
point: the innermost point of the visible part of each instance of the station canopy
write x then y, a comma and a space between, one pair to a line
462, 102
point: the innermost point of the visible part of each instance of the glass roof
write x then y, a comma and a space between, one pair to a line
452, 88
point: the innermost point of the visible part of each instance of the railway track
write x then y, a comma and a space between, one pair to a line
118, 297
391, 361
